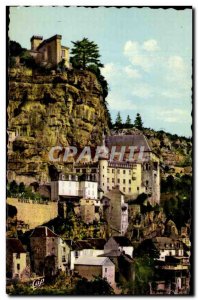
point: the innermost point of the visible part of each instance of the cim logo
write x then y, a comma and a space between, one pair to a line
38, 282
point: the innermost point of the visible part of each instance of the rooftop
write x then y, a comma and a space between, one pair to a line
14, 245
122, 241
93, 261
138, 140
43, 231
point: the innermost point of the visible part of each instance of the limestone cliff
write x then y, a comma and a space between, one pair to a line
49, 110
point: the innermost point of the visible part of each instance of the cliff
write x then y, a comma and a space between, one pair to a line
46, 110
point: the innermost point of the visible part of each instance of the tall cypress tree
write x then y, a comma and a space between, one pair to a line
118, 121
128, 122
138, 122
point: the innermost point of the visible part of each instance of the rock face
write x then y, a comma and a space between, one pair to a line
50, 110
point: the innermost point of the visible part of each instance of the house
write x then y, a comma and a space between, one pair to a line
16, 260
115, 211
136, 172
88, 248
168, 247
89, 267
49, 51
120, 244
47, 248
89, 210
74, 186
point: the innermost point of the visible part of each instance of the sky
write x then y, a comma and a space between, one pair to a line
147, 56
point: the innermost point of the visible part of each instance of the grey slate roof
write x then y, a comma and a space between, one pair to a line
136, 140
14, 246
93, 261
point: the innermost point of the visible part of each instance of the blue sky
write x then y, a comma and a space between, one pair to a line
147, 55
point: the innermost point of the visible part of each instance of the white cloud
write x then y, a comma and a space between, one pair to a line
116, 102
109, 70
174, 115
141, 55
150, 45
176, 64
132, 73
142, 90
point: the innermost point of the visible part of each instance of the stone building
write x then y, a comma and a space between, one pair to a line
89, 210
49, 51
119, 243
16, 260
48, 251
89, 267
115, 211
136, 172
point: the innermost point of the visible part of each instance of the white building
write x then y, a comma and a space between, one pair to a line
168, 247
72, 185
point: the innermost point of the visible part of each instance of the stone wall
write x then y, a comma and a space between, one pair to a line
34, 214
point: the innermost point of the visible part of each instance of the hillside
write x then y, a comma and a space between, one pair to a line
46, 110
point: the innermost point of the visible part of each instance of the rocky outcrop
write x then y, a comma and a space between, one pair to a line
49, 110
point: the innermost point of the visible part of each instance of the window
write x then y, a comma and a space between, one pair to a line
108, 180
63, 53
118, 171
147, 182
118, 180
112, 170
113, 180
124, 181
18, 267
63, 249
124, 189
103, 167
18, 255
129, 172
124, 172
105, 270
129, 181
129, 190
107, 170
138, 188
76, 254
63, 258
133, 178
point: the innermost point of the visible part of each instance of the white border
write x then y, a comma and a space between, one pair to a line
3, 106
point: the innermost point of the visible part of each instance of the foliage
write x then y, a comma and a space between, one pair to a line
28, 60
118, 121
128, 123
96, 70
147, 248
22, 191
98, 286
85, 53
178, 206
11, 210
15, 48
138, 122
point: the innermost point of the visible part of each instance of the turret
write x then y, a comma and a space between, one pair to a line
35, 42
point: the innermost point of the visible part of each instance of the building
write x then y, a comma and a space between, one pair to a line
131, 165
74, 186
115, 211
168, 247
89, 267
85, 248
119, 244
49, 252
49, 51
89, 210
16, 260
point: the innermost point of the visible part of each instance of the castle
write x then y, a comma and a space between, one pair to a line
49, 51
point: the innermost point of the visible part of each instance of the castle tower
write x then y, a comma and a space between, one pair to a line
35, 42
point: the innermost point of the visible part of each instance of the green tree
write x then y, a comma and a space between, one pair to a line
98, 286
118, 121
128, 122
85, 53
21, 187
15, 48
147, 248
138, 122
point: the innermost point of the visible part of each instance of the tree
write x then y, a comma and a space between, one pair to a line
128, 122
138, 122
15, 49
85, 53
98, 286
147, 248
118, 121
